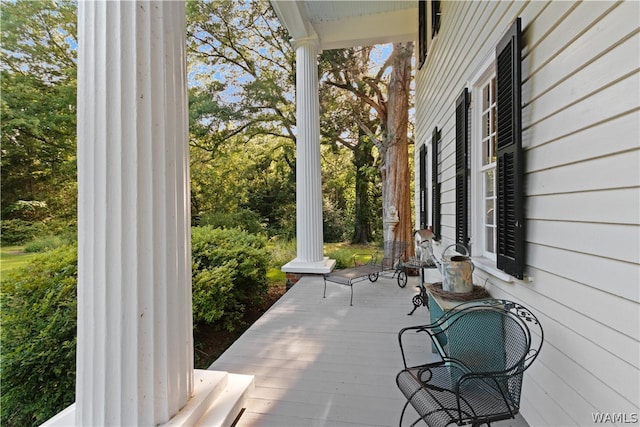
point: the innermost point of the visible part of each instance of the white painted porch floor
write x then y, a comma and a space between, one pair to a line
321, 362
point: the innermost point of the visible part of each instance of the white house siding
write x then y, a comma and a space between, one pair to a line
581, 133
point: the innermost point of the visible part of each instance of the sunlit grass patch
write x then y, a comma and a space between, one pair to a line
13, 257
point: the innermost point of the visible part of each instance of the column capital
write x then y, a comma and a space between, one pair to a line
310, 41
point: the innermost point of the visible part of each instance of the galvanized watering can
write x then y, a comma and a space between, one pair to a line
457, 271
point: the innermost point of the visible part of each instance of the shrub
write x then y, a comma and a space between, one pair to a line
39, 317
281, 251
335, 224
44, 244
244, 219
38, 338
18, 231
229, 273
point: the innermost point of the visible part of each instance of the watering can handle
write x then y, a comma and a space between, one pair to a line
455, 245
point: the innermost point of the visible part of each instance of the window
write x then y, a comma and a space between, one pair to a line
423, 187
497, 205
435, 17
435, 184
422, 32
484, 163
426, 10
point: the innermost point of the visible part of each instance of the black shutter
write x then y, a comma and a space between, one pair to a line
423, 187
435, 185
422, 32
510, 200
435, 17
462, 168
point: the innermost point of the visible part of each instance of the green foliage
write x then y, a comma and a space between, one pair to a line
38, 338
244, 219
244, 43
335, 225
18, 231
38, 107
281, 250
12, 258
229, 273
346, 254
244, 185
38, 319
44, 244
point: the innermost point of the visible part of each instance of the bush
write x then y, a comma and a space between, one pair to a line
45, 244
229, 273
38, 338
244, 219
38, 319
18, 231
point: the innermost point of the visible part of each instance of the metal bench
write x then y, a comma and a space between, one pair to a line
484, 347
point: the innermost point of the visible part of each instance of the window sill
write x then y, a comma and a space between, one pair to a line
488, 266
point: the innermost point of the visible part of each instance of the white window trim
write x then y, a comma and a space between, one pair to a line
489, 266
483, 72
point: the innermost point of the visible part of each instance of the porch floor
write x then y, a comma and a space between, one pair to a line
321, 362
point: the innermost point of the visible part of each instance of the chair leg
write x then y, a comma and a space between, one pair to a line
351, 301
404, 408
324, 294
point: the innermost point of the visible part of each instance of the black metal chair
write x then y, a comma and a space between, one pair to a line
484, 346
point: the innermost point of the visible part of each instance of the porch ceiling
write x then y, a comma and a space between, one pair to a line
341, 24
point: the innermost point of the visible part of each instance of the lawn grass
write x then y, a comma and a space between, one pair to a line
346, 253
13, 257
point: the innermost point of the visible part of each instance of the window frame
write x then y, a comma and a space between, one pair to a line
486, 71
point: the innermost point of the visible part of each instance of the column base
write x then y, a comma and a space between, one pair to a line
217, 399
319, 267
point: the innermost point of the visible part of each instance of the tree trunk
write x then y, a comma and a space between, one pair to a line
395, 154
362, 158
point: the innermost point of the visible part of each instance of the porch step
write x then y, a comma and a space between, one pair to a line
229, 403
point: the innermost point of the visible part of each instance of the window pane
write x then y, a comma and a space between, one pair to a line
486, 101
492, 147
485, 151
489, 212
489, 183
490, 238
493, 90
492, 120
486, 125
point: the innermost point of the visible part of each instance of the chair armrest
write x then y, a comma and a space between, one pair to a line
434, 340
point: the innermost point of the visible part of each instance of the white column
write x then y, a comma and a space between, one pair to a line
135, 343
309, 234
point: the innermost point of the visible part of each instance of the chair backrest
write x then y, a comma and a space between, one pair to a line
490, 336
